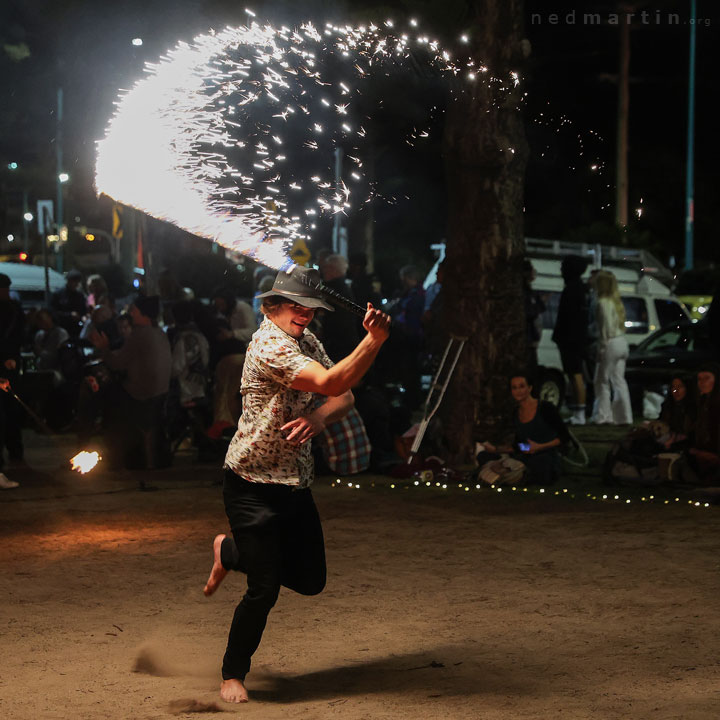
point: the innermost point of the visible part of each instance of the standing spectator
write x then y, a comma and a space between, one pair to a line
433, 319
12, 323
571, 331
69, 304
363, 284
339, 332
265, 284
534, 308
238, 313
138, 404
612, 352
408, 310
407, 341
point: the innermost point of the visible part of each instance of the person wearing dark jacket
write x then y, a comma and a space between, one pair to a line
704, 448
12, 324
678, 410
137, 406
69, 305
339, 333
571, 331
539, 434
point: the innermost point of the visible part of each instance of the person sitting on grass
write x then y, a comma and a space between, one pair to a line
539, 434
704, 450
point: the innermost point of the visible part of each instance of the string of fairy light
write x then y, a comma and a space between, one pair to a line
468, 487
228, 136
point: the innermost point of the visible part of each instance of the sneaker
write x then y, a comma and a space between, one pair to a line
6, 484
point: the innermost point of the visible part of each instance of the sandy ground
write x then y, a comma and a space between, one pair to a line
439, 604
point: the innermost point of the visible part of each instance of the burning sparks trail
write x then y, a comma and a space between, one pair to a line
232, 137
85, 461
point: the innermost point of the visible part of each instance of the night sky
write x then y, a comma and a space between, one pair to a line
85, 47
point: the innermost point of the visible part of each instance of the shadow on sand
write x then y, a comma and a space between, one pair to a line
434, 673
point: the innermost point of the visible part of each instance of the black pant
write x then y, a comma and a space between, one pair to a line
277, 540
10, 419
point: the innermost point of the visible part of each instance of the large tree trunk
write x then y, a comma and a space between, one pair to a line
486, 155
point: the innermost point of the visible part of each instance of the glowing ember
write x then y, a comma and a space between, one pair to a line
85, 461
232, 137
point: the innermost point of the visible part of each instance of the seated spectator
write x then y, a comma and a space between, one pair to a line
124, 326
227, 358
190, 355
539, 434
238, 313
47, 342
678, 412
97, 291
100, 320
704, 451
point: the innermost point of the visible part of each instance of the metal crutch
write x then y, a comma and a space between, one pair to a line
430, 409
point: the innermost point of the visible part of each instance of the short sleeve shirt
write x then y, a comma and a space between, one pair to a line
259, 451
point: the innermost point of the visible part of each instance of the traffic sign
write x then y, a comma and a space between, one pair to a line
300, 252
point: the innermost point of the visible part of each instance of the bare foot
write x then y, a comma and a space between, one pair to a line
217, 575
233, 691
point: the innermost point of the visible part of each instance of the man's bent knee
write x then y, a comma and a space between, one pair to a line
313, 587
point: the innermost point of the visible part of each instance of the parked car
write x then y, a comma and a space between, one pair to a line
680, 348
695, 288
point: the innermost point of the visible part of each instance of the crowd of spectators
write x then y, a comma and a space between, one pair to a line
152, 373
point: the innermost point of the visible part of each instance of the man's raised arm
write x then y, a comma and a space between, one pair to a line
347, 373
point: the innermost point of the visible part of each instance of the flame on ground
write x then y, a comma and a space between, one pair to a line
85, 461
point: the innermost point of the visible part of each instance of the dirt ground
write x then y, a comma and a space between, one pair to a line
439, 604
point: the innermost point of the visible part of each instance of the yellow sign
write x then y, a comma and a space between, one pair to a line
300, 252
117, 226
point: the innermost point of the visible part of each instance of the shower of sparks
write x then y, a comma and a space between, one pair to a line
232, 137
85, 461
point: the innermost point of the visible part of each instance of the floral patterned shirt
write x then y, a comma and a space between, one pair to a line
258, 451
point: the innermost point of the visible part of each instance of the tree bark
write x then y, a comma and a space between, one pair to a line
486, 153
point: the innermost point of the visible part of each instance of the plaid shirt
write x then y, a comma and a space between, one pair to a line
346, 446
258, 451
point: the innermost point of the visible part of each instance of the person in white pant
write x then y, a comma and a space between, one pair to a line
612, 354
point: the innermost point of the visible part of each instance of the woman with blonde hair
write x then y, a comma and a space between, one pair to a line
612, 354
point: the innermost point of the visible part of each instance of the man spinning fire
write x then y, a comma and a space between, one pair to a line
277, 538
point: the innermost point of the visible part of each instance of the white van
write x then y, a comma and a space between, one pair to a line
28, 282
649, 305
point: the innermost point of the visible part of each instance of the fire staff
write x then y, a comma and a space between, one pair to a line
277, 538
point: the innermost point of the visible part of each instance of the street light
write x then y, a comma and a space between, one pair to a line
63, 177
137, 42
28, 217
